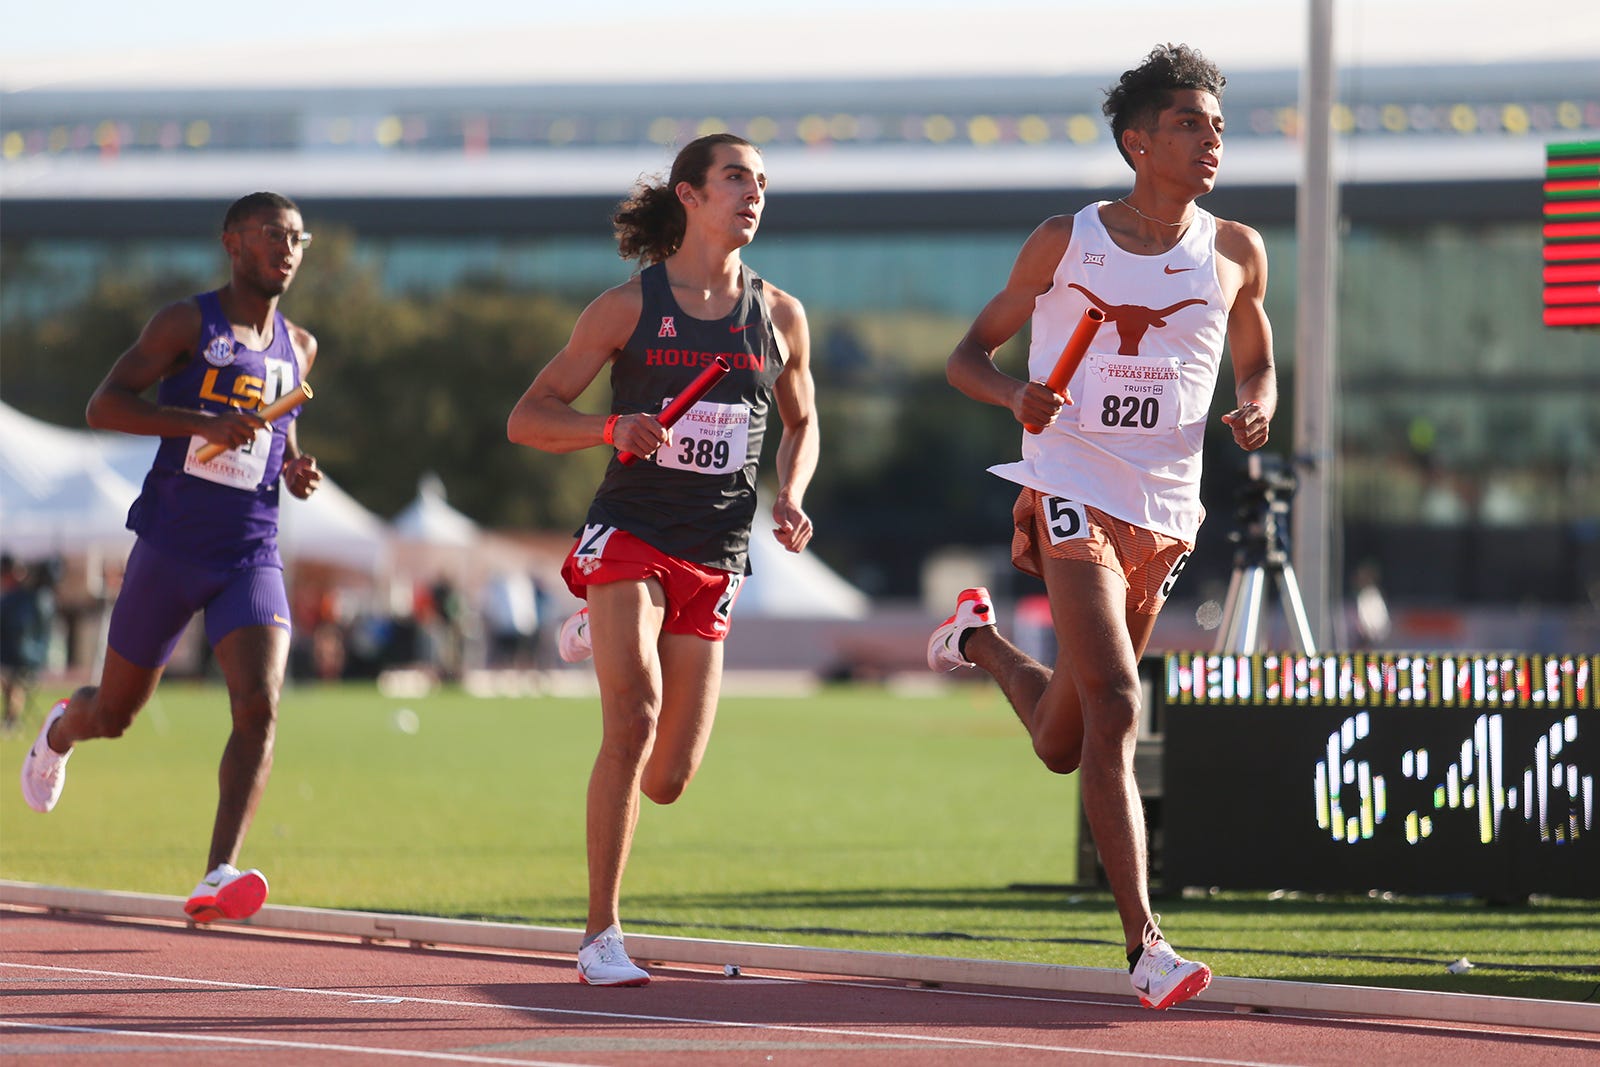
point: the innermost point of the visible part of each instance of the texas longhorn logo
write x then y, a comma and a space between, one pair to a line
1132, 319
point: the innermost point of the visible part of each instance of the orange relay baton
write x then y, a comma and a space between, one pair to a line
1072, 355
281, 406
686, 399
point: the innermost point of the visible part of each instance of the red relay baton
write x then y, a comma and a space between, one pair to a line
1072, 355
688, 398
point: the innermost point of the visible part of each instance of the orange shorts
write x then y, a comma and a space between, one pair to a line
699, 599
1148, 562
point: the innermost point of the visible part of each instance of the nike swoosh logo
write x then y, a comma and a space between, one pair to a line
740, 329
1145, 989
279, 618
1175, 270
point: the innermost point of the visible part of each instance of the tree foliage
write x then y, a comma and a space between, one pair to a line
419, 383
404, 386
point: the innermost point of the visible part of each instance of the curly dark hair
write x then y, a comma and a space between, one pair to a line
1141, 94
247, 207
649, 224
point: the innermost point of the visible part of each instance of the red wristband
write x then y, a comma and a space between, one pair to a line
609, 434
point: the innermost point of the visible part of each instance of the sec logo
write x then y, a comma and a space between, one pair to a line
219, 353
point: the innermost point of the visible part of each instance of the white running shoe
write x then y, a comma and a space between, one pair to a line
227, 893
44, 770
973, 609
604, 961
1163, 978
574, 644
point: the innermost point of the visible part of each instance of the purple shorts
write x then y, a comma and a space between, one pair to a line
160, 594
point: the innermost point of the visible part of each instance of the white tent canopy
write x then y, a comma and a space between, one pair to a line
431, 520
793, 585
59, 492
332, 527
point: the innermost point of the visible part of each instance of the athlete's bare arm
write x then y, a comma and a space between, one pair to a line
165, 344
300, 471
1242, 269
545, 419
795, 392
971, 367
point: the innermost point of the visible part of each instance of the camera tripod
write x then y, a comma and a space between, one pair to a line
1264, 513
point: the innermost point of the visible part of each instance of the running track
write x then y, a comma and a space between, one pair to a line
99, 990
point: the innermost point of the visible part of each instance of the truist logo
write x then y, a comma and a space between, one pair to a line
668, 329
683, 357
1132, 319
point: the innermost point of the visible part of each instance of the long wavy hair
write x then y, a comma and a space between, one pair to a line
650, 223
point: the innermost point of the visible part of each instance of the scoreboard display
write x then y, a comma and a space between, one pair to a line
1412, 773
1572, 234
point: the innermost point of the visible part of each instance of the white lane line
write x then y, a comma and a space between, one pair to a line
1199, 1007
877, 1035
299, 1046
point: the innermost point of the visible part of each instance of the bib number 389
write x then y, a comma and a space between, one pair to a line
709, 439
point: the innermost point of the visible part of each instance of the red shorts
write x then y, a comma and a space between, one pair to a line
699, 599
1065, 529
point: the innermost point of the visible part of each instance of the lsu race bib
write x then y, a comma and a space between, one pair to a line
241, 468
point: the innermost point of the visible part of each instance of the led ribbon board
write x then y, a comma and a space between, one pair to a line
1424, 773
1572, 234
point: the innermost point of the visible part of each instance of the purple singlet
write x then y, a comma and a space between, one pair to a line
206, 522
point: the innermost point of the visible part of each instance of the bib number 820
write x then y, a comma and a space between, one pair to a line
1130, 411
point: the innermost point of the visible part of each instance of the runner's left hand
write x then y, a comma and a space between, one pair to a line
1249, 424
301, 475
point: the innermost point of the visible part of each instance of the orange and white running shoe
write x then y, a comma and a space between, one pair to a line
227, 893
1163, 978
973, 609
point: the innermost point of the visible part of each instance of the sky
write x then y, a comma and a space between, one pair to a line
351, 42
104, 24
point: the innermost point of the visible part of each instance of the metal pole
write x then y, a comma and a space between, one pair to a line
1316, 513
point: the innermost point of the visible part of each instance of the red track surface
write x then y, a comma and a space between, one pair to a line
87, 991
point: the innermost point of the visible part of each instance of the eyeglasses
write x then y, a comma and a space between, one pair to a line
277, 235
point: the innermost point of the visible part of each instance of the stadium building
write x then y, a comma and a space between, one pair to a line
1468, 434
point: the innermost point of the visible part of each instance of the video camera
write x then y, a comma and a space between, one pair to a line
1263, 507
1271, 486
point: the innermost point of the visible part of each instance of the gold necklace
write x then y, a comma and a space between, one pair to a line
1159, 222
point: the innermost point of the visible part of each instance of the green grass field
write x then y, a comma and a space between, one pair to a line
854, 818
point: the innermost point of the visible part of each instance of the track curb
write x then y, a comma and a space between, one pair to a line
1254, 994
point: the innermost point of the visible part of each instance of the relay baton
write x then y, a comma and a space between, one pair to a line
1072, 355
281, 406
687, 399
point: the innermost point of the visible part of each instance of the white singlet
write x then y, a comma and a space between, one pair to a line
1129, 444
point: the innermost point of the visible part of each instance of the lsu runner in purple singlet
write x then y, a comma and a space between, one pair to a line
207, 531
